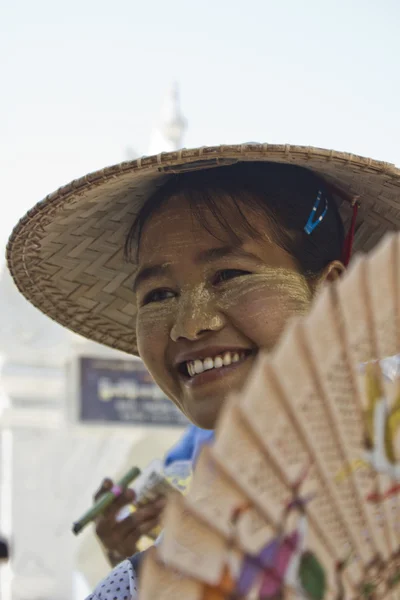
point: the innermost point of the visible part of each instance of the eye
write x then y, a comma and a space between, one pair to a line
157, 296
227, 274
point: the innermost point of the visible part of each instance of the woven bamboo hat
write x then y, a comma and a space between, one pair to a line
66, 254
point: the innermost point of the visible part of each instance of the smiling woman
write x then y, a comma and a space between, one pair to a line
225, 245
223, 263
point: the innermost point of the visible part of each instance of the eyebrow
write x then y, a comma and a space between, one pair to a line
148, 273
206, 256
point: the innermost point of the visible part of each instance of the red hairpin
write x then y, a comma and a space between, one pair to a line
348, 242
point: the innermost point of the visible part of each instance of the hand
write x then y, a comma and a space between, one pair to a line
120, 539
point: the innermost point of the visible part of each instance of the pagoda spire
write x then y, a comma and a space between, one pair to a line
168, 134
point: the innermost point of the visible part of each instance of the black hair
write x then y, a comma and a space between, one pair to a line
284, 193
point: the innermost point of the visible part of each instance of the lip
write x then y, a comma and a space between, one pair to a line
207, 352
213, 375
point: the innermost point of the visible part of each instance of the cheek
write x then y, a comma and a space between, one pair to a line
152, 332
261, 313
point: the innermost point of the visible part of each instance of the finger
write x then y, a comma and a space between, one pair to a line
108, 521
155, 505
149, 511
126, 497
148, 526
124, 545
106, 486
128, 542
133, 524
129, 536
160, 503
114, 538
126, 532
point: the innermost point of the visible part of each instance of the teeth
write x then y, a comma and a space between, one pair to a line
227, 359
208, 364
199, 366
218, 362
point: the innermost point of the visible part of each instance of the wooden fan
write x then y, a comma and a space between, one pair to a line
299, 496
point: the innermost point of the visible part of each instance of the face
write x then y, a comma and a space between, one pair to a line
206, 307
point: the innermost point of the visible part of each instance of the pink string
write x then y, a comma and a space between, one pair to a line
116, 490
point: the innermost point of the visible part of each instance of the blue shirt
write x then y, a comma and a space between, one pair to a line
188, 447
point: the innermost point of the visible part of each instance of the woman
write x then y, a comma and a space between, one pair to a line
224, 246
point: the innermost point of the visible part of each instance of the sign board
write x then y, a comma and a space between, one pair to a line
122, 391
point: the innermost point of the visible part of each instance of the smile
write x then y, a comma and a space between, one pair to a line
224, 361
195, 367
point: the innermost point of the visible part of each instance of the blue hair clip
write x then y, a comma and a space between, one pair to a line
312, 222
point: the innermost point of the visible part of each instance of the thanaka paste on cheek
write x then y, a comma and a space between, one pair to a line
268, 298
262, 304
290, 287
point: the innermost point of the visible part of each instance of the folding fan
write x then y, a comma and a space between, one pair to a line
299, 496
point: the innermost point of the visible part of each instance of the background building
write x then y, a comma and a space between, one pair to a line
50, 462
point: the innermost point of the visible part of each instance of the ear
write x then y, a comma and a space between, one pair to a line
332, 272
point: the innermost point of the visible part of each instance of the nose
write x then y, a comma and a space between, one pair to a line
197, 315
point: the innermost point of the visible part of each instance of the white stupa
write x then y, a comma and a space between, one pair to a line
34, 393
167, 135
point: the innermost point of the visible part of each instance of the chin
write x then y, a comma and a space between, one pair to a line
205, 414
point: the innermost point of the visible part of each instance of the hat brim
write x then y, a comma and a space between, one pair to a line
66, 254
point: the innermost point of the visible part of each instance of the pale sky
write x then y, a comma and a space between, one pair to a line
81, 80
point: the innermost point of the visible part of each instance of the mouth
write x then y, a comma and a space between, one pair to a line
212, 367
